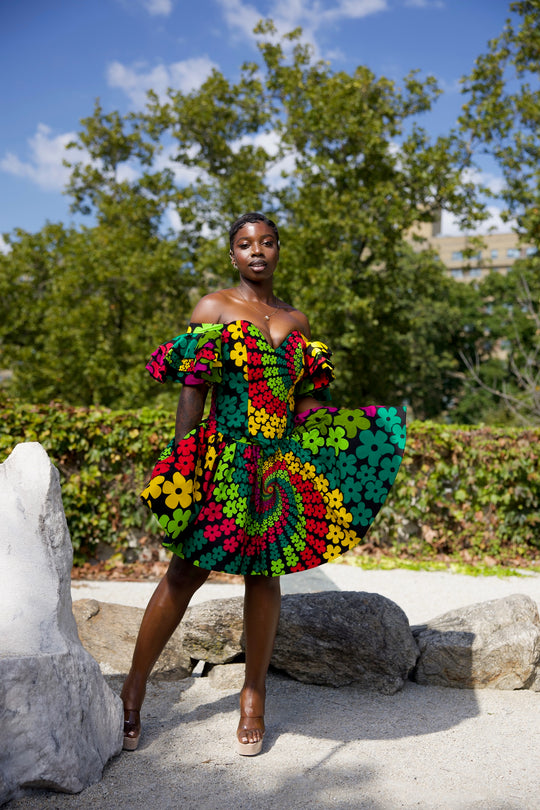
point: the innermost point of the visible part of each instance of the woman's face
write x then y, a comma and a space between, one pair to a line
255, 251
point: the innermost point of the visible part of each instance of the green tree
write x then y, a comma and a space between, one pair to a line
501, 119
80, 309
501, 114
342, 163
504, 367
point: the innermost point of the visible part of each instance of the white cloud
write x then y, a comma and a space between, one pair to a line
155, 7
45, 167
493, 224
183, 175
47, 151
310, 15
494, 182
136, 81
4, 247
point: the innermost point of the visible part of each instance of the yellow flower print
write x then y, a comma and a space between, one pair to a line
153, 490
256, 419
308, 471
342, 517
178, 491
210, 458
332, 552
334, 499
335, 533
350, 539
235, 331
239, 354
186, 365
268, 429
321, 483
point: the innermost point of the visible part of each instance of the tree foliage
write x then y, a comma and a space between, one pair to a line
342, 163
501, 116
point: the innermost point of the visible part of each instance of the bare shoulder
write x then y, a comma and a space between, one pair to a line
209, 308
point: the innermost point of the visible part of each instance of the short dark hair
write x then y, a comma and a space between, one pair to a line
252, 216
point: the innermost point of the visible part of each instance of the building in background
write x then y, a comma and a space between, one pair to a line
462, 256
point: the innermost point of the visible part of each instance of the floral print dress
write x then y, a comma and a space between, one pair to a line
253, 489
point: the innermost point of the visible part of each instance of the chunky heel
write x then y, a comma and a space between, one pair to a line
132, 729
249, 749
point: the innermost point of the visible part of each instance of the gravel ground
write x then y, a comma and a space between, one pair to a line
424, 747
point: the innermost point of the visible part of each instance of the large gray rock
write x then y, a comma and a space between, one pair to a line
109, 633
331, 638
490, 644
60, 721
213, 631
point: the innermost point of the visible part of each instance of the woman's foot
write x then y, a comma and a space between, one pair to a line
132, 729
250, 735
250, 730
132, 694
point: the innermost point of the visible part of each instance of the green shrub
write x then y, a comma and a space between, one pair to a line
474, 490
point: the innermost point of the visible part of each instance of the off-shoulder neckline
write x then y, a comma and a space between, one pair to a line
259, 330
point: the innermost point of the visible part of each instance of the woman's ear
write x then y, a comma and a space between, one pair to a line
233, 260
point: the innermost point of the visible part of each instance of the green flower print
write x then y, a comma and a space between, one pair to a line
389, 468
277, 567
352, 421
362, 514
372, 446
399, 434
387, 418
336, 439
313, 441
210, 560
180, 520
376, 491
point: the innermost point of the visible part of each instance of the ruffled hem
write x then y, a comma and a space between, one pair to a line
193, 358
318, 373
235, 506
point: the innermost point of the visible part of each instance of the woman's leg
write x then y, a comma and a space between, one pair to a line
261, 615
162, 616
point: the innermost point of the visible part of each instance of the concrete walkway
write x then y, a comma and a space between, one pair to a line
425, 747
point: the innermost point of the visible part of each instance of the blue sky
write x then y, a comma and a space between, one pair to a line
58, 56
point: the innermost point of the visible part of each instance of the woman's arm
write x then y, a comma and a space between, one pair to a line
192, 397
305, 403
190, 409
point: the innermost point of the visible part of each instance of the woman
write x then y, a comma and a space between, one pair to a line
271, 482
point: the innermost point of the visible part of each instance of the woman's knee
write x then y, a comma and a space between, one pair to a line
183, 574
258, 582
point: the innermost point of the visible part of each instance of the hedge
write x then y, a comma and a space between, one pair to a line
472, 491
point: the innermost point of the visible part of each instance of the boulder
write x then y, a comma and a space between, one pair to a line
60, 721
109, 632
227, 676
331, 638
213, 631
492, 644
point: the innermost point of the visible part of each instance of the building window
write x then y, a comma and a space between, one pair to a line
475, 272
531, 251
494, 253
513, 253
457, 273
457, 256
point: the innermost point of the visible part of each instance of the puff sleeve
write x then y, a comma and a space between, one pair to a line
193, 358
318, 372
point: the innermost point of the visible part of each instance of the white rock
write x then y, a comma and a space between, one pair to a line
60, 721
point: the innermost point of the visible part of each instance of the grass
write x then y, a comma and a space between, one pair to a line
384, 562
